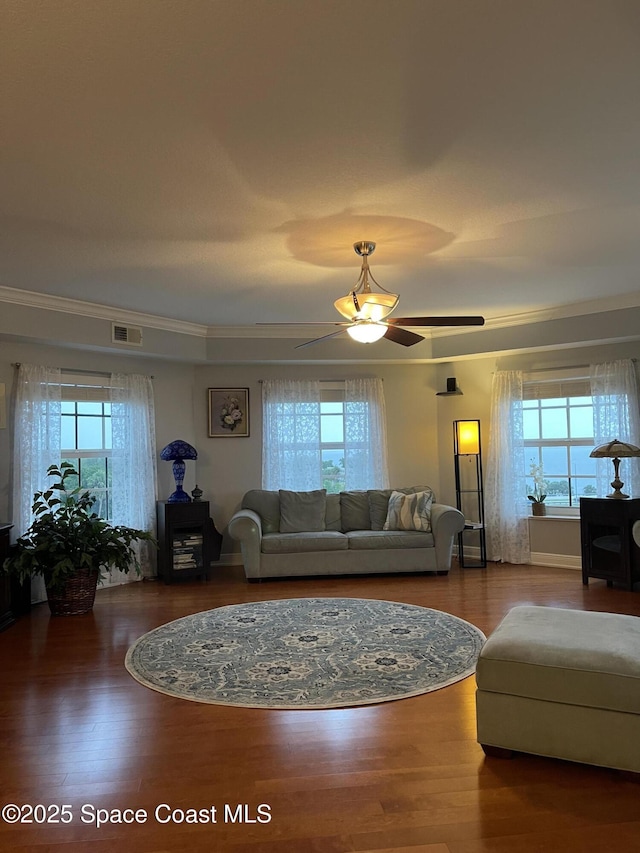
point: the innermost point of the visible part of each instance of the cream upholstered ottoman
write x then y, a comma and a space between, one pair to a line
562, 683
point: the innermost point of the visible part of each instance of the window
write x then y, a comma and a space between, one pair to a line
85, 438
558, 430
332, 447
327, 435
104, 426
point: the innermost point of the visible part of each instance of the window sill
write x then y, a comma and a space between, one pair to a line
554, 517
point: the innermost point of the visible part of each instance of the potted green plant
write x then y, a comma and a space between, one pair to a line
71, 546
538, 506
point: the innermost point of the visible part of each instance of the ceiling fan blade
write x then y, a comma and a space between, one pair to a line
435, 321
310, 323
402, 336
323, 338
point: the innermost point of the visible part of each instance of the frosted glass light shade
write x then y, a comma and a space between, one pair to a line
366, 332
366, 306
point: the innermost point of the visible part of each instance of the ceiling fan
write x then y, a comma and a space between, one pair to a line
367, 312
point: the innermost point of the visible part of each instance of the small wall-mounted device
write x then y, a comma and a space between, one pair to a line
452, 388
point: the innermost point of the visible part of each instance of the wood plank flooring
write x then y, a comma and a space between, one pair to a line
404, 776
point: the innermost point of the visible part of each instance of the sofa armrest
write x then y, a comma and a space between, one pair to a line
246, 527
446, 523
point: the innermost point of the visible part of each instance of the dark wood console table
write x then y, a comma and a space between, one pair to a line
6, 613
188, 541
608, 549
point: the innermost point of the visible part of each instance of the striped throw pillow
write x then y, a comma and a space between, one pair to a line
409, 512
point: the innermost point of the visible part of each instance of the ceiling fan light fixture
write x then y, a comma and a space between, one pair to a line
366, 331
362, 303
366, 306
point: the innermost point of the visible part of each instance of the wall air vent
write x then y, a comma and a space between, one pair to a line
131, 335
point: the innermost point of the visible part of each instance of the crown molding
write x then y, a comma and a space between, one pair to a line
83, 308
80, 308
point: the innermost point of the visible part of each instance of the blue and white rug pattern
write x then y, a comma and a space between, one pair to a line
306, 653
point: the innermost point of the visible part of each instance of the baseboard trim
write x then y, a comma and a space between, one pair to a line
556, 561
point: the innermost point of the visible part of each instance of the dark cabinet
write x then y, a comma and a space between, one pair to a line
188, 541
608, 549
6, 612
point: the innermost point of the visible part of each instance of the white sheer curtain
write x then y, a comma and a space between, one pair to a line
36, 444
365, 435
506, 490
133, 464
616, 414
291, 457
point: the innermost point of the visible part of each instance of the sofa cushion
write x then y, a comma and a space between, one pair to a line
367, 540
332, 519
298, 543
302, 511
409, 512
267, 505
379, 503
354, 509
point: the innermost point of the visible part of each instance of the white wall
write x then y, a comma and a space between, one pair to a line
420, 423
228, 467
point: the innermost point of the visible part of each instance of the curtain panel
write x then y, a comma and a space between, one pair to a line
291, 457
616, 414
365, 435
133, 465
506, 489
38, 404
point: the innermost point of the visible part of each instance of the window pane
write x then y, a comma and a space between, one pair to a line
94, 473
579, 401
554, 423
531, 424
333, 470
558, 491
581, 463
555, 462
552, 402
584, 488
331, 429
68, 408
331, 408
581, 421
89, 408
89, 433
68, 432
107, 434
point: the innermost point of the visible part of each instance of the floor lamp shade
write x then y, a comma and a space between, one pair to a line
467, 437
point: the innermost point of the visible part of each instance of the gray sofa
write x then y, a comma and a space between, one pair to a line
286, 534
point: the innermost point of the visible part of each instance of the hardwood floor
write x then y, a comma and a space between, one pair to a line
404, 776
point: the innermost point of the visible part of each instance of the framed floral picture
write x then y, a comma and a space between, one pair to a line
228, 412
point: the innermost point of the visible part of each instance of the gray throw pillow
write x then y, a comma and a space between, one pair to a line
332, 519
354, 509
378, 505
302, 511
409, 512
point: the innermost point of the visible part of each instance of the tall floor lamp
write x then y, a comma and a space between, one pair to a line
467, 455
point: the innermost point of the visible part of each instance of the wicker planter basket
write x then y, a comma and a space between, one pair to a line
77, 595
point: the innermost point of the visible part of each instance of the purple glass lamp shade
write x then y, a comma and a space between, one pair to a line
177, 452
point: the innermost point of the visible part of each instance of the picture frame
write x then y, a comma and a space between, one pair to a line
228, 412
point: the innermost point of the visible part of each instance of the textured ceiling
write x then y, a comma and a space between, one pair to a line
215, 161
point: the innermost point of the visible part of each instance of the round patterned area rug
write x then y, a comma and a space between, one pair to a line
306, 653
